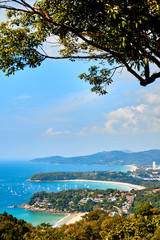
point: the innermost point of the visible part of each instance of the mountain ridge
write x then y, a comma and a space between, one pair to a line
116, 157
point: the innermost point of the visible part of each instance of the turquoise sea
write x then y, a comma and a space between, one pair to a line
15, 190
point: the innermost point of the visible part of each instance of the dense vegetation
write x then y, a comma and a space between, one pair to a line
97, 225
95, 175
118, 34
142, 159
81, 200
12, 228
85, 200
148, 195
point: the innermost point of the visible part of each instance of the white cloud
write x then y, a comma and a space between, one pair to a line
144, 117
150, 96
50, 132
140, 118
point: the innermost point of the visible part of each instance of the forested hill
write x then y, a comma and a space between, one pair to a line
144, 158
144, 224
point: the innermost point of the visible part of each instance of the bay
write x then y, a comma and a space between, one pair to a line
15, 190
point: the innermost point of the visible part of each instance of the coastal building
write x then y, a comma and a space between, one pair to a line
49, 205
155, 190
130, 198
154, 165
84, 200
113, 199
98, 200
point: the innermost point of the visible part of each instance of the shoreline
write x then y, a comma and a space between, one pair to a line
28, 207
133, 167
128, 185
69, 219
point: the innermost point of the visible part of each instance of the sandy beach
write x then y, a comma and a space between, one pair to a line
133, 168
70, 219
129, 185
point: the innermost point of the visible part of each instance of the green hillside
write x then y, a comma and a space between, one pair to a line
144, 158
97, 225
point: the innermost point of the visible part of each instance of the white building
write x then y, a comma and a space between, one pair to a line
154, 165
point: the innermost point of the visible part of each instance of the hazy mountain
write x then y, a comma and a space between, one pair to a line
144, 158
127, 151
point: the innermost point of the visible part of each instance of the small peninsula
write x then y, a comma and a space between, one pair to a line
139, 177
85, 200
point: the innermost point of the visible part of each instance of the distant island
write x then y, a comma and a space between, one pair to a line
140, 159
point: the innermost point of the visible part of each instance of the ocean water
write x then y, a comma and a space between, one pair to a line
15, 190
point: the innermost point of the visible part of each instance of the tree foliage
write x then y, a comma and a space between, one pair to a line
12, 228
96, 225
80, 200
123, 34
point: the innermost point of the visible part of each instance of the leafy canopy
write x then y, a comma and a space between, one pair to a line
123, 34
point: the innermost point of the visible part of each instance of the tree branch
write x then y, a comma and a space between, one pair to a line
13, 8
77, 32
146, 69
150, 79
153, 59
76, 57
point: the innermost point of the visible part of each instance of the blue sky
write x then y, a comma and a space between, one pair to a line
49, 111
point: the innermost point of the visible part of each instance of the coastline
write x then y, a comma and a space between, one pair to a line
69, 219
133, 168
128, 185
27, 207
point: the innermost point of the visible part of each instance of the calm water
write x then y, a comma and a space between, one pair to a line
15, 190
